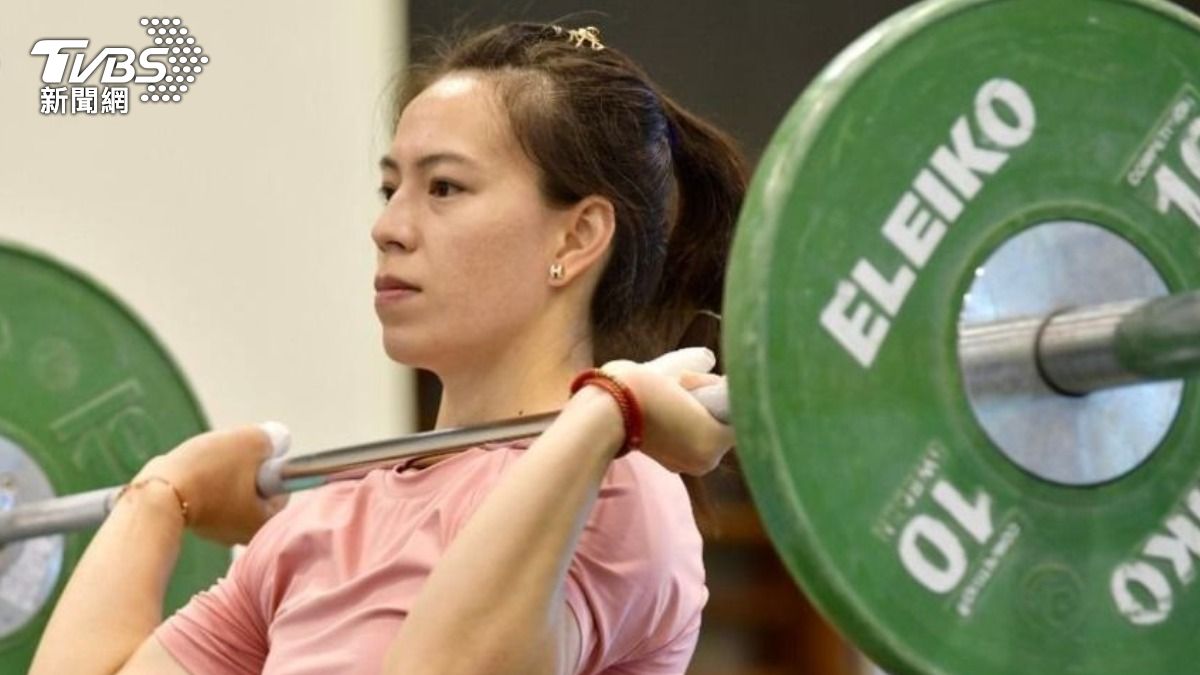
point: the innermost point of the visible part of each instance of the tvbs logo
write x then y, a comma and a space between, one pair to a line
168, 69
117, 61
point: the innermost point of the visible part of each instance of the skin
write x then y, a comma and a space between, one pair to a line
476, 236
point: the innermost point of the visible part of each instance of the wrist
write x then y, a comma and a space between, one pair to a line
603, 415
155, 498
627, 403
160, 470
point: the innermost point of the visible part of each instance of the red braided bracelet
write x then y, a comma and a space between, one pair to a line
631, 411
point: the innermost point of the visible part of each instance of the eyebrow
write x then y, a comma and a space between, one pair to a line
388, 163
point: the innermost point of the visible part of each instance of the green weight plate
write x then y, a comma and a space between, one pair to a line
923, 149
88, 396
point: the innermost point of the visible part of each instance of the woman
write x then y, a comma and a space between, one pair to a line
547, 208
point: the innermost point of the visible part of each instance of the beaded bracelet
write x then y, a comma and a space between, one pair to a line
631, 411
183, 505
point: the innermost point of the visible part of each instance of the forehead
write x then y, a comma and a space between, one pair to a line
460, 112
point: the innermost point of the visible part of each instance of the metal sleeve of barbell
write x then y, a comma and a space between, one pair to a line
1162, 339
1087, 350
62, 514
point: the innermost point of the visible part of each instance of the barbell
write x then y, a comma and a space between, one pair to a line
1075, 353
961, 310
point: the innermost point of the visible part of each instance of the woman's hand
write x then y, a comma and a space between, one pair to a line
215, 472
679, 432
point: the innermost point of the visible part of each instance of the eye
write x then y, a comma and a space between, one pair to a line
386, 193
440, 187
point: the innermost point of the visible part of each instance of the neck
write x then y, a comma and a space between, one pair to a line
531, 376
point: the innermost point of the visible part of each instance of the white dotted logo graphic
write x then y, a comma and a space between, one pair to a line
185, 61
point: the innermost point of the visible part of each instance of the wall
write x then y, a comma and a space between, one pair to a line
236, 222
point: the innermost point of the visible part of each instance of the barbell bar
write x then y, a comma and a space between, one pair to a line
1079, 351
1089, 349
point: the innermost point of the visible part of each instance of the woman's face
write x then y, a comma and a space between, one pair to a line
465, 222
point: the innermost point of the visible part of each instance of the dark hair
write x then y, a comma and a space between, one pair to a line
595, 124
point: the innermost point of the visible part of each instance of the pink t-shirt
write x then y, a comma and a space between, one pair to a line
325, 585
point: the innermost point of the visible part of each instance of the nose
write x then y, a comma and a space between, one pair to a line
393, 228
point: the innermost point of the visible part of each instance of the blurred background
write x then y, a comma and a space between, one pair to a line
235, 223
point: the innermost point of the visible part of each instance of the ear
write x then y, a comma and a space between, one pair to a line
584, 240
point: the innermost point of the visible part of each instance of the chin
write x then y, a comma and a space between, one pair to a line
402, 354
431, 350
400, 347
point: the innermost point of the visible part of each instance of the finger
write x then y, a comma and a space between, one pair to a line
690, 380
726, 438
696, 359
275, 504
718, 441
618, 366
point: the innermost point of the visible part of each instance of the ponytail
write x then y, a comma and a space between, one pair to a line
710, 178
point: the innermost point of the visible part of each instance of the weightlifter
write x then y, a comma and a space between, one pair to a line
547, 208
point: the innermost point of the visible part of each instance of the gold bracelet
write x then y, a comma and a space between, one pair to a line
183, 505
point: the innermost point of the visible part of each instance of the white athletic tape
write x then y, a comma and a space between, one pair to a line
281, 437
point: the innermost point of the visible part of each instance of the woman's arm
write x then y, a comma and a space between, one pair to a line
114, 599
494, 603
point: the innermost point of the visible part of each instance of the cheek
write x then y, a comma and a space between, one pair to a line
495, 280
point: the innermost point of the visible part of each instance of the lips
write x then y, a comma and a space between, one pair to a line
391, 290
394, 283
